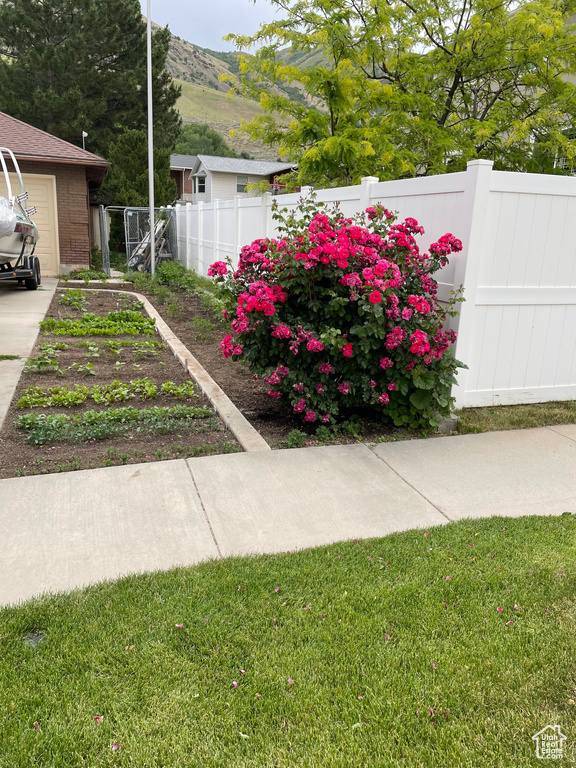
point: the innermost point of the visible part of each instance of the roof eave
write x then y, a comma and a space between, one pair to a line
96, 163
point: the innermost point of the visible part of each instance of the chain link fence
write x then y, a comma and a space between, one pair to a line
137, 236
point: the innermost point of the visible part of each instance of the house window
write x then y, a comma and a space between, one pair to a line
241, 183
201, 184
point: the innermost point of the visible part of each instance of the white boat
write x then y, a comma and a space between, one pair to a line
17, 260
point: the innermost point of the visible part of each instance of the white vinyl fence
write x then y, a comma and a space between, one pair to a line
517, 327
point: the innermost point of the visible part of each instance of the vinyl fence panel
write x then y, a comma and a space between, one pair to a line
517, 327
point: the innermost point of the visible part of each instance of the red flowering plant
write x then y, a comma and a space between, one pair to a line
342, 314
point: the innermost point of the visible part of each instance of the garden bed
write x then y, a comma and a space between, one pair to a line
200, 329
118, 398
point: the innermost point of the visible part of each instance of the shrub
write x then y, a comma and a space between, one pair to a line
340, 315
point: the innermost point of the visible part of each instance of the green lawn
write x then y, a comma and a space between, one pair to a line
386, 652
491, 419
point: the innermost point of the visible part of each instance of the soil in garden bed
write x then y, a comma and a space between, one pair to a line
201, 332
202, 437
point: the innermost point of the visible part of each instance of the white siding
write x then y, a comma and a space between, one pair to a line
224, 185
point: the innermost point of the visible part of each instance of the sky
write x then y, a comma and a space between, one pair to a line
205, 22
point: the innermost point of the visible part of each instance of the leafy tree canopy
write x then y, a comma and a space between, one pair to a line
409, 87
127, 182
200, 139
68, 66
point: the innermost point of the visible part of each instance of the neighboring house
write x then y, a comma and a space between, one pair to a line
180, 169
204, 178
61, 180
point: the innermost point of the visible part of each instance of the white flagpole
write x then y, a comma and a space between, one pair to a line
150, 138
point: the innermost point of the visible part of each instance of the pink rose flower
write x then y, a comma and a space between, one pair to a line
226, 344
282, 332
218, 268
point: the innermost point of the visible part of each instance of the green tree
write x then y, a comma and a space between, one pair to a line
68, 66
127, 181
200, 139
410, 87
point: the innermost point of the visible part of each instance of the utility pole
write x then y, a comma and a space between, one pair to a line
150, 137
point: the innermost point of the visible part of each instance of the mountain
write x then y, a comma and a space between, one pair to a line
204, 98
203, 66
191, 64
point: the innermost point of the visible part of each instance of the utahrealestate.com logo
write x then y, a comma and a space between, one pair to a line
549, 743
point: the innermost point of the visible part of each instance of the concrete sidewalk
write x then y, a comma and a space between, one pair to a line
66, 530
20, 313
62, 531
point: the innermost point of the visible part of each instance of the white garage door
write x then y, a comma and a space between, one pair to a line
41, 193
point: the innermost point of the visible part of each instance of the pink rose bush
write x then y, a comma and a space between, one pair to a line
342, 314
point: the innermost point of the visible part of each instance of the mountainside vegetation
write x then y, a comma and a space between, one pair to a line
198, 72
202, 104
200, 139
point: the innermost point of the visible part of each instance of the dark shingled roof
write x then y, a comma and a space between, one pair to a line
29, 143
182, 162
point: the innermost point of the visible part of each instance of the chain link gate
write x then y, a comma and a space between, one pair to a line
137, 233
137, 236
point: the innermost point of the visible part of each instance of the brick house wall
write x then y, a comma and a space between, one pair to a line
183, 182
188, 189
74, 220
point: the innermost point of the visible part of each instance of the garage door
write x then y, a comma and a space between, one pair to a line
41, 193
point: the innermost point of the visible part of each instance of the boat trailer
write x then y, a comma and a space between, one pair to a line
19, 233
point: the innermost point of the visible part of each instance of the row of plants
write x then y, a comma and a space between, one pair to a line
126, 322
47, 364
77, 298
47, 361
86, 275
141, 349
74, 297
99, 425
103, 394
340, 315
173, 278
